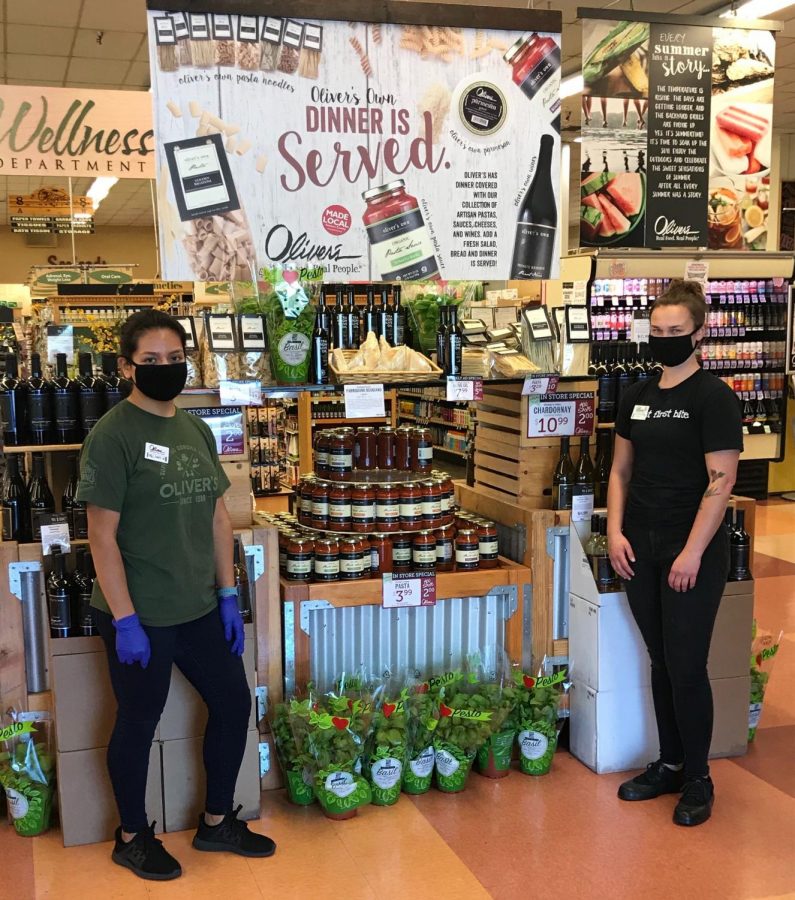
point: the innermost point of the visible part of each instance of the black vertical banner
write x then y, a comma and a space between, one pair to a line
680, 89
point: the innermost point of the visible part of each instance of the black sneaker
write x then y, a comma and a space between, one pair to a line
146, 856
233, 836
695, 807
657, 780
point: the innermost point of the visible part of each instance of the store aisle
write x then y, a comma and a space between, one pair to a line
510, 839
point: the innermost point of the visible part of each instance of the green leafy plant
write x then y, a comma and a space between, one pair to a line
387, 749
422, 706
291, 759
536, 718
27, 774
287, 338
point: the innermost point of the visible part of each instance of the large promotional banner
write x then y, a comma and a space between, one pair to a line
677, 118
375, 151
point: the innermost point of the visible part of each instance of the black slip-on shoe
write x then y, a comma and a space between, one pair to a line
657, 780
146, 856
695, 807
232, 836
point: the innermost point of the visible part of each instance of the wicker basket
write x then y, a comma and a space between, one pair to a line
360, 376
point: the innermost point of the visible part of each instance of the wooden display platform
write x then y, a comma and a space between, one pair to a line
367, 592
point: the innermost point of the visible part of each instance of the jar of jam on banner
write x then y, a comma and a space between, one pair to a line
327, 560
423, 552
445, 548
410, 505
380, 555
467, 550
322, 447
354, 559
339, 508
488, 544
534, 60
340, 457
421, 450
363, 508
431, 503
365, 454
403, 448
320, 498
397, 231
300, 558
387, 507
386, 447
401, 552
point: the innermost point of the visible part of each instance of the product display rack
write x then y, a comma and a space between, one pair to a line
425, 403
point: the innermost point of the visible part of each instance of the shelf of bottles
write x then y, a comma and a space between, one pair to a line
273, 446
586, 478
745, 343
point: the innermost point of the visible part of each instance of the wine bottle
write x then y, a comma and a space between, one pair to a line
603, 572
584, 470
320, 350
453, 340
341, 338
369, 316
385, 316
563, 479
593, 540
606, 397
69, 498
13, 404
16, 503
441, 339
58, 596
593, 363
42, 502
398, 317
739, 550
622, 374
84, 581
242, 583
40, 405
538, 220
114, 387
65, 403
602, 467
90, 394
352, 315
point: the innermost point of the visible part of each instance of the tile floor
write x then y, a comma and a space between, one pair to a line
565, 835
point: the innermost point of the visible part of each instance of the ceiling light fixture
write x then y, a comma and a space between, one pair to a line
100, 189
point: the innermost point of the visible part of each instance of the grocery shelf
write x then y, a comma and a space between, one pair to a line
460, 453
433, 421
342, 419
42, 448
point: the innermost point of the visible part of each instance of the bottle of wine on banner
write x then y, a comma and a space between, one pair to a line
537, 224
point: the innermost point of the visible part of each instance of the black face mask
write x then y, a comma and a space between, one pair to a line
160, 382
672, 351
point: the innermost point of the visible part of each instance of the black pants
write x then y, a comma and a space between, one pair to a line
677, 629
201, 653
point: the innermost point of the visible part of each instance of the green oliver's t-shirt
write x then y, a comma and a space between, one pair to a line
163, 476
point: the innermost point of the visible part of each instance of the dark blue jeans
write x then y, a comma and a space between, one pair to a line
677, 629
201, 653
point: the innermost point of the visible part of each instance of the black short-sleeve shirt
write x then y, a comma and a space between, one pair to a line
671, 429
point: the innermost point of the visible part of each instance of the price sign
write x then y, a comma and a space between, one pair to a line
54, 531
411, 589
535, 385
560, 415
364, 401
460, 389
241, 393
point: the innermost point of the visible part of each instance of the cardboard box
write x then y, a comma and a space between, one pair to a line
270, 773
615, 731
184, 782
87, 806
185, 715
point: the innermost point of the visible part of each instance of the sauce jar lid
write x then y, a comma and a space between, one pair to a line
464, 532
513, 51
383, 189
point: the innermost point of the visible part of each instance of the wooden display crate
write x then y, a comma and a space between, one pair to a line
449, 585
510, 466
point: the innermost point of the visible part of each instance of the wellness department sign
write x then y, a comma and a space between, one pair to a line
425, 148
60, 131
677, 119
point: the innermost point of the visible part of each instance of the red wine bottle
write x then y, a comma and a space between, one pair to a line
42, 502
537, 224
67, 429
40, 405
91, 394
58, 596
13, 404
115, 389
16, 503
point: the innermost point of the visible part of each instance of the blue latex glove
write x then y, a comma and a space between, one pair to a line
132, 642
233, 622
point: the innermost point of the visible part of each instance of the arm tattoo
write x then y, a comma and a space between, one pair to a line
714, 488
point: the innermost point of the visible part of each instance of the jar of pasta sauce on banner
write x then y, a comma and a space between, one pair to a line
534, 60
397, 231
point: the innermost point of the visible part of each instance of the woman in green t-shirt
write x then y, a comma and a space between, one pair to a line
162, 544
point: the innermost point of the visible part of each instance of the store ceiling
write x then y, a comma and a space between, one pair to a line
55, 42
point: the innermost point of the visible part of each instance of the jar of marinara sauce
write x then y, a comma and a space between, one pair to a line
395, 225
401, 552
363, 507
387, 507
386, 447
380, 555
534, 60
445, 548
467, 550
431, 503
410, 505
340, 456
421, 450
403, 448
365, 453
489, 548
300, 558
321, 451
305, 501
448, 498
339, 507
354, 561
320, 505
327, 560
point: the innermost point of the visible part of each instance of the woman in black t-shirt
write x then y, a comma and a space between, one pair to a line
678, 440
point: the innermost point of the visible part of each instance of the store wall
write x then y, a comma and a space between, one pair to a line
110, 245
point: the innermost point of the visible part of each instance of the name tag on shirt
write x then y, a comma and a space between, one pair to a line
156, 453
640, 413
